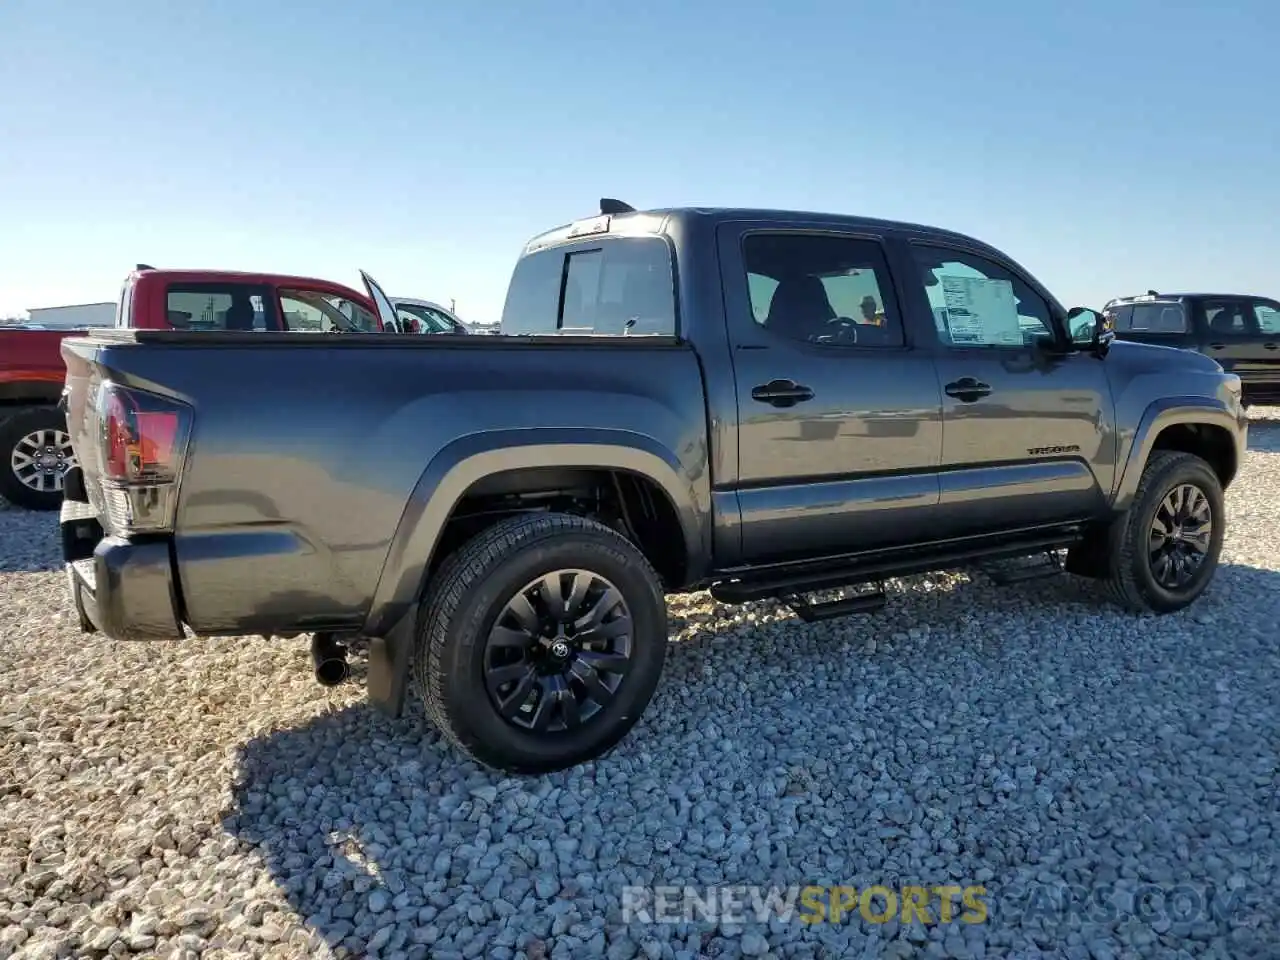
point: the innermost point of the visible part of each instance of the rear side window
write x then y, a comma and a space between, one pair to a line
616, 287
219, 306
1228, 318
821, 288
1154, 318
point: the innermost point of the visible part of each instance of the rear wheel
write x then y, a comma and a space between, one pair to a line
37, 453
1165, 549
543, 640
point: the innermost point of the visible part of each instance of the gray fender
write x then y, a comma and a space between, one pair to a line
392, 620
1167, 412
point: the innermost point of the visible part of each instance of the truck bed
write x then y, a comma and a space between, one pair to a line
311, 455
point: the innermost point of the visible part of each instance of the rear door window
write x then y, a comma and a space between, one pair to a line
1228, 317
219, 306
610, 287
822, 288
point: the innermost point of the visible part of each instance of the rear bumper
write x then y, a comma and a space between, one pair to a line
123, 589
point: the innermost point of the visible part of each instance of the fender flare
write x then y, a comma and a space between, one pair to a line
1167, 412
464, 461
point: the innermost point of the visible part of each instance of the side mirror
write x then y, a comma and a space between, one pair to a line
1091, 329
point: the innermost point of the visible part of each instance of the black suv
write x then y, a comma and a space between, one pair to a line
1241, 332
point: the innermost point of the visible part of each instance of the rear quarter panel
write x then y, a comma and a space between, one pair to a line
307, 464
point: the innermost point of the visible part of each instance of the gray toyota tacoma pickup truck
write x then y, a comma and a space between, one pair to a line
767, 404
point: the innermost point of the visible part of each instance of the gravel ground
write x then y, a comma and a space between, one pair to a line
209, 799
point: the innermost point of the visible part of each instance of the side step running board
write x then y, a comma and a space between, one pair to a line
876, 568
1007, 574
831, 609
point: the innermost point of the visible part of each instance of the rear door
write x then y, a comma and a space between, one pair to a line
839, 415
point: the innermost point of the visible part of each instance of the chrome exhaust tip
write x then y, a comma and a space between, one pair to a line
329, 657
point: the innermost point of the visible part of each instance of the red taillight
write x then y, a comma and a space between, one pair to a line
142, 442
139, 444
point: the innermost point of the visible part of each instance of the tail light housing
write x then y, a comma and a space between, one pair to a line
142, 445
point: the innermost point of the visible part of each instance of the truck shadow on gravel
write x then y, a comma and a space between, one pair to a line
29, 540
386, 842
1264, 435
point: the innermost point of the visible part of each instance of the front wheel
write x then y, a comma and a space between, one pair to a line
543, 640
37, 454
1165, 550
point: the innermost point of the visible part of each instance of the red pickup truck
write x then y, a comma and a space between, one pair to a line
33, 436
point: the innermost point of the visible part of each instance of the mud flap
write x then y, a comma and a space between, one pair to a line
389, 658
1093, 555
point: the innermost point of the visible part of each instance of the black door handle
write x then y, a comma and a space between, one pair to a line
1269, 346
967, 389
1218, 346
781, 393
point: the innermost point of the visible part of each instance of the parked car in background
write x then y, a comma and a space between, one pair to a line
35, 450
423, 316
1239, 331
681, 399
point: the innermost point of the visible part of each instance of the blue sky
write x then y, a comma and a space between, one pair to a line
1109, 147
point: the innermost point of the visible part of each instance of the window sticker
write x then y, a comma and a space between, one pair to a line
981, 312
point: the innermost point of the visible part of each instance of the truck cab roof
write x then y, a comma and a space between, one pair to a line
195, 275
1202, 295
662, 220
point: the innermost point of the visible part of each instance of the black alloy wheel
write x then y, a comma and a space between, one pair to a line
541, 642
1181, 534
559, 651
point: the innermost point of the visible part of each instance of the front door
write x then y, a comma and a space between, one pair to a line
1027, 436
839, 416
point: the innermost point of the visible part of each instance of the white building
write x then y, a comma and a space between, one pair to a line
74, 316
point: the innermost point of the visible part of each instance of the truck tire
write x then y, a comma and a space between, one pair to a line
542, 642
1165, 549
37, 454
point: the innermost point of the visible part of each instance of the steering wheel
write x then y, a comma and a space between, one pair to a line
843, 330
